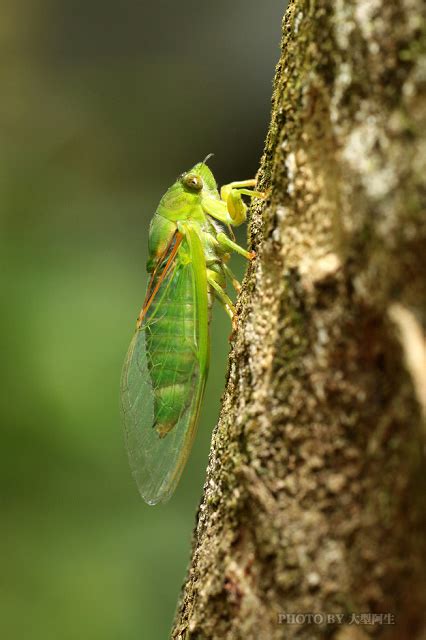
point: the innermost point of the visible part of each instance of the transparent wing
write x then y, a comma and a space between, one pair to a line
167, 336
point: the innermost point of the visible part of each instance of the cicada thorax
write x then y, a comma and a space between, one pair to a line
169, 332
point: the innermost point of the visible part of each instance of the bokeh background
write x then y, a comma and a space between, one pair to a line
102, 105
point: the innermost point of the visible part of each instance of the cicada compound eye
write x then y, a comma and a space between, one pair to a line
192, 181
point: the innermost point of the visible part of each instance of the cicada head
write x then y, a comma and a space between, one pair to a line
204, 174
183, 199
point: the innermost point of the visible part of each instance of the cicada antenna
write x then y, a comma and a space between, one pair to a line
208, 156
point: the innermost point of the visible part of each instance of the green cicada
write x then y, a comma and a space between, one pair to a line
165, 372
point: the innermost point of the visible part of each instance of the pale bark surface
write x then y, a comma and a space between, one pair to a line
314, 498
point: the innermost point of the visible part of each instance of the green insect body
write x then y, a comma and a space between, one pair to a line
171, 369
166, 368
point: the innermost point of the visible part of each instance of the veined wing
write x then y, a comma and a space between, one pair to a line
164, 375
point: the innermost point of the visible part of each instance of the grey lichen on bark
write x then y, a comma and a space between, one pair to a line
314, 498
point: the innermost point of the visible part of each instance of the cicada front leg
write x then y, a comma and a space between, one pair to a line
231, 208
231, 194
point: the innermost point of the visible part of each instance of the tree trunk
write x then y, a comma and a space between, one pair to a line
314, 499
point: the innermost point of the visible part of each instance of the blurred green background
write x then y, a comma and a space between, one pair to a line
103, 105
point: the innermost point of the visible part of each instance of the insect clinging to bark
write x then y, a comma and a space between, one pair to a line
165, 371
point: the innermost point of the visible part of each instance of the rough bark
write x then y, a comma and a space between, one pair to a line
314, 498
